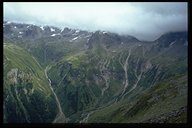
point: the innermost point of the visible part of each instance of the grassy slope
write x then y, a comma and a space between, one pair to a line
74, 79
84, 66
31, 88
163, 98
171, 70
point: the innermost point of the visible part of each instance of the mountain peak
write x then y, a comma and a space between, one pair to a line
167, 39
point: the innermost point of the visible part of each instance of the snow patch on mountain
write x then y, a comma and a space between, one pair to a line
77, 31
42, 28
8, 22
74, 39
104, 32
53, 30
172, 43
55, 34
62, 29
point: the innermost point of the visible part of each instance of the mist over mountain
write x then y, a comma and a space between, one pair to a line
145, 20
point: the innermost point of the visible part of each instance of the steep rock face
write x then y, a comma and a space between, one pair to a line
109, 39
19, 31
31, 33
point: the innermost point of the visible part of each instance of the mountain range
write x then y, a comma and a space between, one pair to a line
54, 75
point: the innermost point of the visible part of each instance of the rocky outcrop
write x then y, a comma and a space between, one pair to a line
168, 117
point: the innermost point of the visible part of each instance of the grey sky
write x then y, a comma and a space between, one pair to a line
146, 21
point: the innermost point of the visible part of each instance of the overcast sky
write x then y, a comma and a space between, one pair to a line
146, 21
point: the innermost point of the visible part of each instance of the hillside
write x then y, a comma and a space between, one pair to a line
93, 77
27, 96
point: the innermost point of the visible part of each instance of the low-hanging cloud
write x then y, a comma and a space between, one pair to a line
146, 21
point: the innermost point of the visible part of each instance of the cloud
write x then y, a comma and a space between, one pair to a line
146, 21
